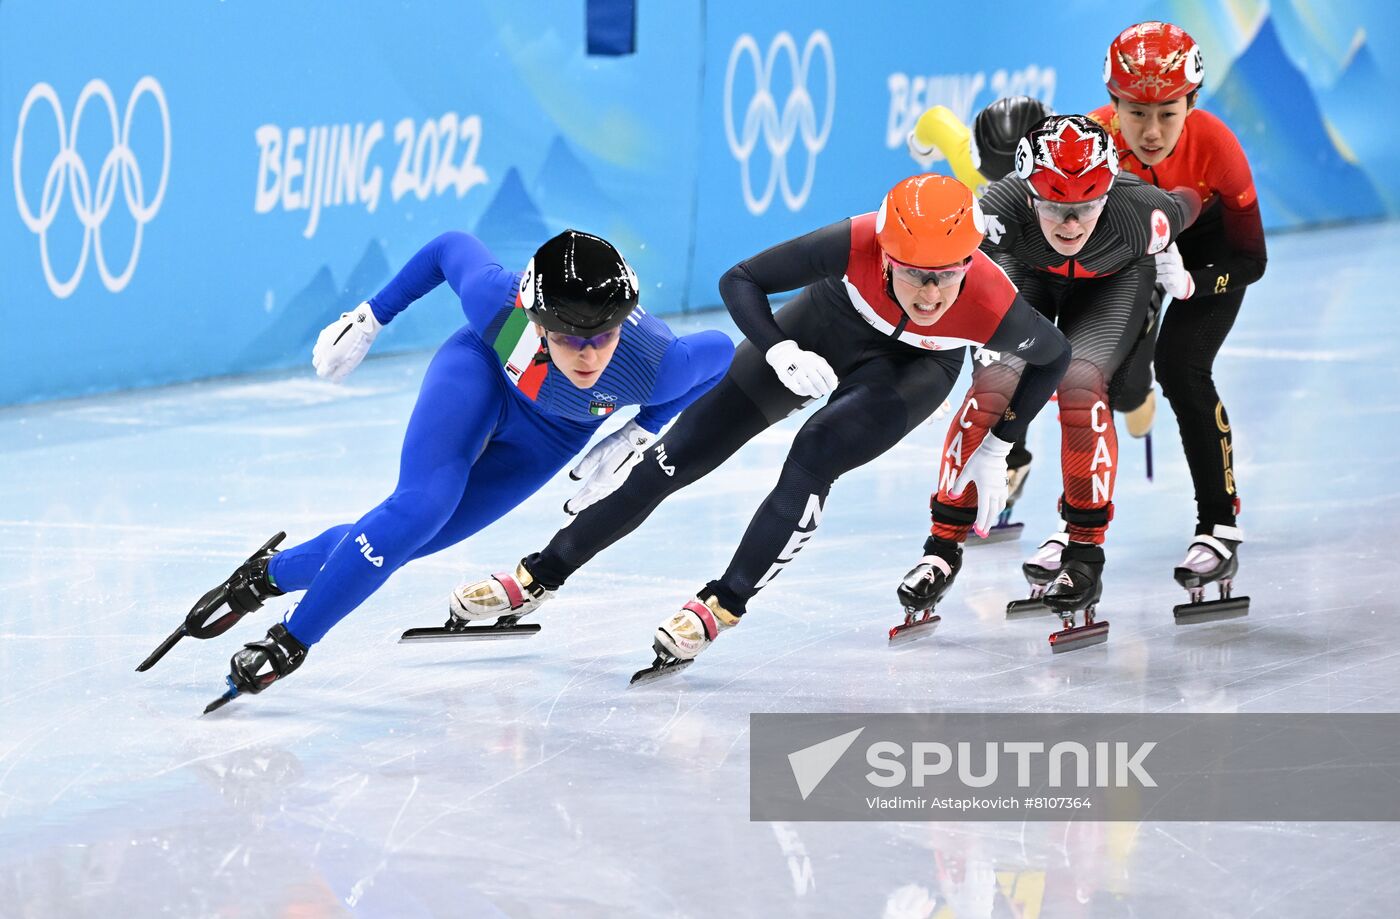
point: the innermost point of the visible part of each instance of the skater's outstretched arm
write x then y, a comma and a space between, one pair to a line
692, 365
460, 259
790, 265
939, 129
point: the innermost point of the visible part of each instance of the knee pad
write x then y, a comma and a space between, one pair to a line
1082, 388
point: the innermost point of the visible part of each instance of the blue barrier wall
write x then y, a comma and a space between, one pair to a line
198, 187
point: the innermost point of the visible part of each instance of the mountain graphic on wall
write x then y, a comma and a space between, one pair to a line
1350, 107
1301, 174
512, 224
1298, 35
290, 333
566, 191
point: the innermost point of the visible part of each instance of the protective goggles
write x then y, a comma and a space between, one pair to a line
1060, 213
946, 276
578, 343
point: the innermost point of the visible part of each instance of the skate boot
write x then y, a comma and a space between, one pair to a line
922, 588
1139, 420
502, 597
1018, 469
242, 593
1039, 570
1211, 558
260, 664
1078, 586
681, 638
1139, 423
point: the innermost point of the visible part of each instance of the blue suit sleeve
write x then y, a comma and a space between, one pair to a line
460, 259
691, 365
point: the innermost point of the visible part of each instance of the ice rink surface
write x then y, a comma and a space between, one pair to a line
526, 779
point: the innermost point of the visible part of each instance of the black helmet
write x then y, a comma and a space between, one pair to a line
997, 130
578, 284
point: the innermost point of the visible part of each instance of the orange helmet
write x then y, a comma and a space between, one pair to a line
1153, 62
929, 221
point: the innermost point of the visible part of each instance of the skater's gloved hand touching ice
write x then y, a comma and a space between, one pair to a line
986, 469
343, 344
1172, 274
804, 372
604, 468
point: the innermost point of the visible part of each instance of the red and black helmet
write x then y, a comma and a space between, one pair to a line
1153, 62
1067, 158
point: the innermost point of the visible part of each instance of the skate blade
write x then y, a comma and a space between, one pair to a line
1211, 610
1082, 636
1006, 533
906, 632
161, 651
469, 633
659, 669
1031, 607
223, 700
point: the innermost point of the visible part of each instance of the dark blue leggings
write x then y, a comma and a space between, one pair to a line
475, 448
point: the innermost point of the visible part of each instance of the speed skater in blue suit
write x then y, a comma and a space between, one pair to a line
515, 394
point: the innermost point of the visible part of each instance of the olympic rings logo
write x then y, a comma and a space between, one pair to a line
779, 129
91, 202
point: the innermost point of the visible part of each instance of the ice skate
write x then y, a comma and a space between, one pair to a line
1139, 420
681, 638
502, 597
1004, 530
1078, 586
260, 664
243, 592
921, 589
1039, 570
1211, 558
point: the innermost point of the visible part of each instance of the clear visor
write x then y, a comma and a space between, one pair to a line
945, 276
1061, 213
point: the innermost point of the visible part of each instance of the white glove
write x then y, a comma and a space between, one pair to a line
343, 344
917, 150
986, 469
607, 464
804, 372
1172, 274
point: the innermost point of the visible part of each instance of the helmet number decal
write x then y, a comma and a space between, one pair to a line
1195, 65
527, 286
1025, 158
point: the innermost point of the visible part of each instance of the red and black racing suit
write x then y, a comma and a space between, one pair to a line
1224, 251
893, 374
1099, 299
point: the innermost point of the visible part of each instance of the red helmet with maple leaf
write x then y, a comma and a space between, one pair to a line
1067, 158
1153, 62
